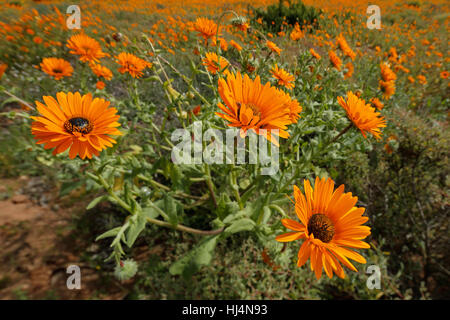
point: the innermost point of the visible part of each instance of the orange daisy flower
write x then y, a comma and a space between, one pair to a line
235, 45
377, 103
87, 48
350, 69
362, 115
132, 64
241, 24
214, 63
330, 225
100, 85
251, 105
3, 67
422, 79
296, 33
273, 47
443, 74
206, 28
75, 121
388, 88
386, 73
284, 78
101, 71
335, 60
57, 68
315, 54
343, 45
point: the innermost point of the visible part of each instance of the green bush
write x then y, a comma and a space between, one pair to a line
406, 195
296, 12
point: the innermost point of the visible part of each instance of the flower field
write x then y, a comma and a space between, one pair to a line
224, 149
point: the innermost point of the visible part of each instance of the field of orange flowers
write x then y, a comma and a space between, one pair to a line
258, 149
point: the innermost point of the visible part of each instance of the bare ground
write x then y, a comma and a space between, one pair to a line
37, 245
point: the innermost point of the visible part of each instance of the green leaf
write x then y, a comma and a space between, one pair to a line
244, 224
109, 233
245, 213
171, 208
265, 216
200, 255
150, 212
96, 201
136, 226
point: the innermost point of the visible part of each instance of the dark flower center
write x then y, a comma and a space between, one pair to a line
57, 70
78, 124
321, 227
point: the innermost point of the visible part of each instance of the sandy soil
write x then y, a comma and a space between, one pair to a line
37, 246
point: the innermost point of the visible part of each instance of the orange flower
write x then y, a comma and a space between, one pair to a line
206, 28
343, 45
101, 71
362, 115
388, 146
315, 54
335, 60
77, 122
388, 88
444, 74
87, 48
297, 33
377, 103
214, 63
132, 64
100, 85
273, 47
222, 42
386, 73
3, 67
241, 24
422, 79
57, 68
330, 225
349, 73
235, 45
251, 105
37, 40
284, 78
196, 110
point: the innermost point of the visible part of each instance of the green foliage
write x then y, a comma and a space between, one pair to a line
406, 195
276, 15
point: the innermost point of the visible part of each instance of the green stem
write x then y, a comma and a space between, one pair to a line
210, 184
151, 220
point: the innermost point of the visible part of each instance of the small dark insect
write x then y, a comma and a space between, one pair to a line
78, 124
